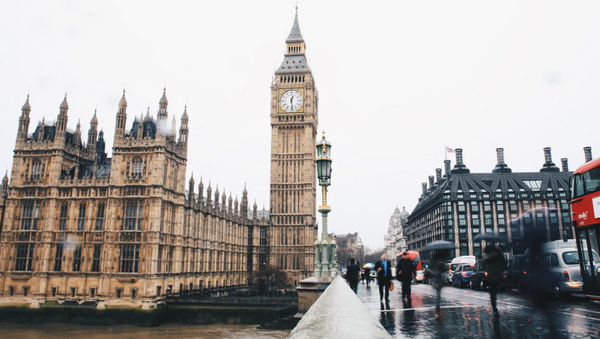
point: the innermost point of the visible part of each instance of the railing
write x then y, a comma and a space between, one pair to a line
338, 313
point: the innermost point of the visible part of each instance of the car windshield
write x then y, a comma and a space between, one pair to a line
467, 268
453, 267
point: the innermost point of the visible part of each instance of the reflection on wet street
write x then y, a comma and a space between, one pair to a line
467, 313
165, 331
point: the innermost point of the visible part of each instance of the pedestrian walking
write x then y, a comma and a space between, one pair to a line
495, 264
383, 268
405, 273
352, 274
368, 275
435, 274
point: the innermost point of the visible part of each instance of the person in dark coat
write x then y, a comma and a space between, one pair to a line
405, 271
352, 273
367, 275
383, 268
495, 264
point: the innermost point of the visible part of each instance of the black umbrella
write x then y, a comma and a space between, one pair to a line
490, 237
439, 245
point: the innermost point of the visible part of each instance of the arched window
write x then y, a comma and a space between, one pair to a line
137, 167
36, 169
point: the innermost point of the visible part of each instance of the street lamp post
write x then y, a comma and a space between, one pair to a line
324, 249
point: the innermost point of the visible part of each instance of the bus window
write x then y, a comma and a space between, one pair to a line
577, 186
592, 180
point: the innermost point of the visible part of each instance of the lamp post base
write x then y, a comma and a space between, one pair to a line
309, 291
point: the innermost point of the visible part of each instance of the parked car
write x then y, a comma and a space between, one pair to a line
562, 260
462, 275
419, 277
451, 267
515, 275
479, 276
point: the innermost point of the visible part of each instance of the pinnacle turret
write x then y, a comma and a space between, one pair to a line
4, 189
64, 103
163, 99
162, 108
123, 103
26, 106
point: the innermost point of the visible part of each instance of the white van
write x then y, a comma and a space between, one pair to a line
562, 260
465, 259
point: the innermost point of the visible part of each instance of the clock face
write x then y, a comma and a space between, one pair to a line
291, 100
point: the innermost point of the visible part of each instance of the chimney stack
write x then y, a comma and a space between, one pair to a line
587, 151
447, 168
438, 175
424, 188
500, 155
501, 167
548, 154
549, 166
459, 157
431, 182
459, 167
565, 164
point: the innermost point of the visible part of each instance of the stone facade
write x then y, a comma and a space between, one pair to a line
395, 240
294, 119
77, 225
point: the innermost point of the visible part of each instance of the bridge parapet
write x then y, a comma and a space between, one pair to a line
339, 313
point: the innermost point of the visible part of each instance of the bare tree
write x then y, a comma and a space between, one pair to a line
270, 280
373, 255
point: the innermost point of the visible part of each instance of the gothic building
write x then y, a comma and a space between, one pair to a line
77, 225
461, 205
395, 240
294, 118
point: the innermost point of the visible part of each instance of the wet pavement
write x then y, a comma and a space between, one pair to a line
467, 313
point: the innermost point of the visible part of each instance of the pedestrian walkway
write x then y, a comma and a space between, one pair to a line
462, 318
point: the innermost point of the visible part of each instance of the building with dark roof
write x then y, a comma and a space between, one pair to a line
460, 205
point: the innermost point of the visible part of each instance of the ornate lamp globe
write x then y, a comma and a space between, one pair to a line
324, 162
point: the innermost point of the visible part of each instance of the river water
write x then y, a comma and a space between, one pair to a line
165, 331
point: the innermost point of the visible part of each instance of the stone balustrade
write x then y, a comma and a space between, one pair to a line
338, 313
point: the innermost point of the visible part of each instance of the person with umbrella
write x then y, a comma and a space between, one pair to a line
440, 250
367, 273
495, 264
435, 274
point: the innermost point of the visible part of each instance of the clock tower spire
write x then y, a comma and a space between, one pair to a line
294, 120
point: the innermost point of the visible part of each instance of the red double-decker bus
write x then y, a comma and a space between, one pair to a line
585, 209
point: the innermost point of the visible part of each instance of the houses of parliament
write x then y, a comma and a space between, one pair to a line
77, 225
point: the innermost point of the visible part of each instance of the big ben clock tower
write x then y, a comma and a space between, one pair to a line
294, 118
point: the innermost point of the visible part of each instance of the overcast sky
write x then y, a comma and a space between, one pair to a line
397, 81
